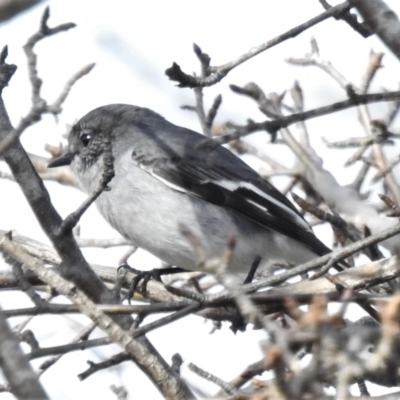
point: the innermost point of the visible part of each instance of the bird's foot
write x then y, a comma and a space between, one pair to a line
142, 278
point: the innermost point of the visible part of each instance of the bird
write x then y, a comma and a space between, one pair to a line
166, 178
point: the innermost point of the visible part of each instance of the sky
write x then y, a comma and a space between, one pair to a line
132, 43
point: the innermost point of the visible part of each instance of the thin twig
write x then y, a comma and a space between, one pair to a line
217, 73
275, 125
39, 105
115, 332
108, 174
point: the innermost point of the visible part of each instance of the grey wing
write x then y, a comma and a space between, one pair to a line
219, 177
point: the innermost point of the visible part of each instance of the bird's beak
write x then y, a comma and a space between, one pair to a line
61, 161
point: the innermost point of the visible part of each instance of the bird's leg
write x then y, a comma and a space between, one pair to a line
253, 270
145, 276
240, 324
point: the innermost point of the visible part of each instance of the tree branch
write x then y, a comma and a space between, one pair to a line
15, 365
167, 383
216, 74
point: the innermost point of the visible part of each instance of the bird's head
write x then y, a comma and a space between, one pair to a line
90, 136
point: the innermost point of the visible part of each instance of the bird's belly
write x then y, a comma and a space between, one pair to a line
152, 219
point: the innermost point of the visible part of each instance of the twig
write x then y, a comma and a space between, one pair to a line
212, 112
375, 60
73, 266
81, 336
275, 125
243, 147
44, 31
356, 142
247, 309
67, 348
383, 172
6, 71
339, 254
106, 308
394, 207
134, 333
198, 91
298, 100
39, 105
217, 73
379, 127
167, 383
358, 155
55, 107
334, 220
376, 131
22, 379
212, 378
108, 174
314, 58
24, 283
250, 372
29, 338
94, 367
359, 180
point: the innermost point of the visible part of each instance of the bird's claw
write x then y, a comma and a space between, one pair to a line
140, 281
141, 287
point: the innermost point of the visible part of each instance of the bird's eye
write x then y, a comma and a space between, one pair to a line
85, 139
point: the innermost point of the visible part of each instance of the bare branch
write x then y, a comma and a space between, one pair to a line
301, 269
15, 366
282, 122
55, 108
73, 265
167, 383
67, 348
108, 174
212, 378
114, 360
39, 105
218, 73
51, 361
